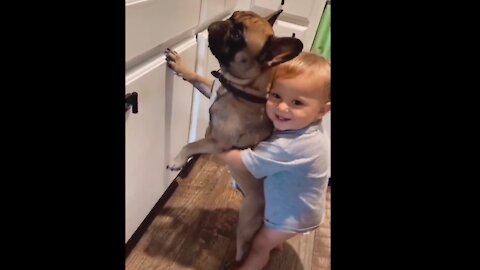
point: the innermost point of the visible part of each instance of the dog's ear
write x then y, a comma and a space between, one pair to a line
280, 49
273, 17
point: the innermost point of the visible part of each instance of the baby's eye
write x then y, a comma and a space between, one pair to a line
275, 95
297, 102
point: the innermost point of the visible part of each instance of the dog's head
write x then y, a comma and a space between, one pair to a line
245, 44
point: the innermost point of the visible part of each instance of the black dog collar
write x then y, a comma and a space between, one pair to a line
235, 91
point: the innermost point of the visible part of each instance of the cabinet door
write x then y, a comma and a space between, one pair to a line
211, 9
179, 108
230, 5
294, 8
149, 23
160, 127
144, 144
305, 14
286, 29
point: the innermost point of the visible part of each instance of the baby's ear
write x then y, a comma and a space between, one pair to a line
328, 106
324, 110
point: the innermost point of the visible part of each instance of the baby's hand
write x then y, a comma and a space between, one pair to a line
223, 156
232, 158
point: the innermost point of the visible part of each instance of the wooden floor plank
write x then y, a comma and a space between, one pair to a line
196, 228
321, 248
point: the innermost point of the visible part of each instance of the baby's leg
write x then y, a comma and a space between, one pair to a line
279, 247
265, 240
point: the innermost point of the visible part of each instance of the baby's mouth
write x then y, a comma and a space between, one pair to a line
280, 118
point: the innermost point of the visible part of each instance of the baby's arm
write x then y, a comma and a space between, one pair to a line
237, 169
266, 159
233, 160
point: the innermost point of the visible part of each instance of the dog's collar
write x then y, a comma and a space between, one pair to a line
237, 81
235, 91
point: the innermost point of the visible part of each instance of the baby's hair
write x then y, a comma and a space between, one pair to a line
307, 63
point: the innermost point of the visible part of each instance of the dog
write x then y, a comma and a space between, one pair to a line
247, 51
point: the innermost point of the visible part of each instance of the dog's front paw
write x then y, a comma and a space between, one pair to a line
175, 62
177, 164
174, 167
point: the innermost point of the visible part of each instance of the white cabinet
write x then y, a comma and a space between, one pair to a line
161, 127
144, 144
299, 16
286, 29
291, 8
156, 133
211, 9
150, 23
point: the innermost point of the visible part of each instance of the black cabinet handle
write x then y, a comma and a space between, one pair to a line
131, 100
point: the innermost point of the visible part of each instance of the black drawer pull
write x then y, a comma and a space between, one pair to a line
131, 100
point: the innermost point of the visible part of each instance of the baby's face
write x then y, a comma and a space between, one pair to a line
295, 103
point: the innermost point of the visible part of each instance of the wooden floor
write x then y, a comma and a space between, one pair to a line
195, 229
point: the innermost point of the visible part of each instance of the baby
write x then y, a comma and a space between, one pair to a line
294, 161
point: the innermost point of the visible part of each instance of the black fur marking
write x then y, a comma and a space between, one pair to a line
226, 39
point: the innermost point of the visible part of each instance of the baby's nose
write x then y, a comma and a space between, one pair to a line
283, 106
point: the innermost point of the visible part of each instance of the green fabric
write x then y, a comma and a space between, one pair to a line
321, 43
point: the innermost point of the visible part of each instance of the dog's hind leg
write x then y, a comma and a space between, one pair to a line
251, 211
249, 222
203, 146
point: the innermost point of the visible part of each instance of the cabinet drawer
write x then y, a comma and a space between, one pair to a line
149, 23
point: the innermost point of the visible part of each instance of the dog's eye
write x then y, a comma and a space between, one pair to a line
237, 32
236, 35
